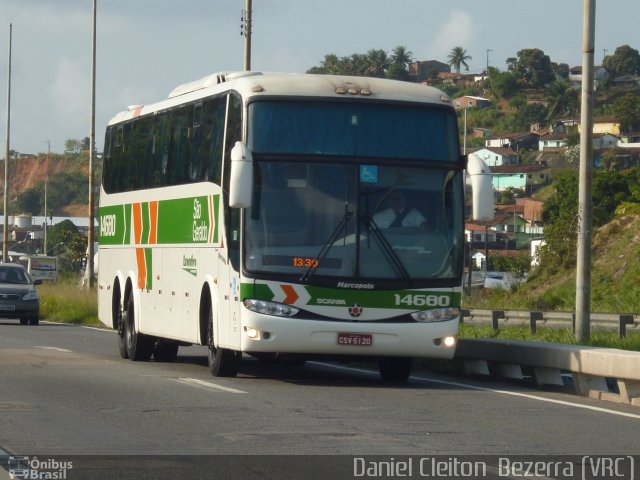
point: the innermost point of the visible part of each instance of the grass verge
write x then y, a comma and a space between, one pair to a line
599, 338
65, 301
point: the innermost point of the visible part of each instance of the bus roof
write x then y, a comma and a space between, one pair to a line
254, 84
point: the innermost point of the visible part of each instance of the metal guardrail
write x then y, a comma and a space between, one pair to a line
622, 323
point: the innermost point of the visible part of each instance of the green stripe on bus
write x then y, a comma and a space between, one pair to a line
115, 224
337, 297
148, 259
183, 220
126, 239
144, 237
401, 299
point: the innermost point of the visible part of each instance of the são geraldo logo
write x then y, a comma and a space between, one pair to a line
355, 310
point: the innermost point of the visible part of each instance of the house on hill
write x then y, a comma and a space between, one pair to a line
604, 124
496, 156
575, 75
514, 141
469, 101
552, 140
424, 70
526, 177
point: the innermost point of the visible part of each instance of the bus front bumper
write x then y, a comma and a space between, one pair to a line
270, 334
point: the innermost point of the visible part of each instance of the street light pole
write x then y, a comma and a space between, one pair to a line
245, 30
5, 233
92, 147
583, 265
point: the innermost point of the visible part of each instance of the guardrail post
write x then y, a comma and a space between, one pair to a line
624, 321
464, 313
495, 315
533, 318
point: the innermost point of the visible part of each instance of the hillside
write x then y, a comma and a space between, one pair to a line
28, 173
614, 279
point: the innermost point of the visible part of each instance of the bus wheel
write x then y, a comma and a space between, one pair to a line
122, 339
139, 346
222, 361
395, 369
165, 351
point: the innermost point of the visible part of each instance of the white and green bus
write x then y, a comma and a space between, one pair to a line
258, 214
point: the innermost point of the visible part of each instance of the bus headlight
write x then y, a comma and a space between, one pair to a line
270, 308
436, 315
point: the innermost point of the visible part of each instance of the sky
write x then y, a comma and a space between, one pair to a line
145, 48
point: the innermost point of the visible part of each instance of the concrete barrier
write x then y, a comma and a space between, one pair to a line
603, 373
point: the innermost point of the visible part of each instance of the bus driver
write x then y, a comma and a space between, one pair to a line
399, 214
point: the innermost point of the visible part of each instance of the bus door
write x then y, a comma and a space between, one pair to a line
229, 284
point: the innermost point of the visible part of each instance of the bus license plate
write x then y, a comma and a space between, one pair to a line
7, 308
358, 339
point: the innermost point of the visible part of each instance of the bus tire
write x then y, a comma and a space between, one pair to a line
222, 361
34, 320
24, 321
139, 346
395, 369
122, 338
165, 351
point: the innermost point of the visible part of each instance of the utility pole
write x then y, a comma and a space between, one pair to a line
583, 265
5, 233
45, 196
245, 31
92, 148
488, 50
45, 216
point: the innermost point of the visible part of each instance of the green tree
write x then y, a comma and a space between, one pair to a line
627, 111
377, 63
560, 213
402, 56
502, 84
72, 145
397, 72
64, 239
533, 68
329, 66
30, 201
526, 115
563, 99
562, 71
625, 61
458, 57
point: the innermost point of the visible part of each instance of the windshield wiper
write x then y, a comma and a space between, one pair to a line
386, 247
342, 225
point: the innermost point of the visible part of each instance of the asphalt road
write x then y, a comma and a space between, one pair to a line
65, 391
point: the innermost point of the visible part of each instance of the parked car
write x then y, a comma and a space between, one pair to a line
18, 294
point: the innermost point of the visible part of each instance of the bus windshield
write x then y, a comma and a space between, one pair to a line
373, 130
373, 221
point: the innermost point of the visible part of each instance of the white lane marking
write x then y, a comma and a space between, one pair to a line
494, 390
55, 348
202, 383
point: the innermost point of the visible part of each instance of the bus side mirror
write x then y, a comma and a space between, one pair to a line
241, 178
482, 188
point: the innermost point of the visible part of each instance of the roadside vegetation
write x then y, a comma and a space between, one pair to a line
64, 301
599, 338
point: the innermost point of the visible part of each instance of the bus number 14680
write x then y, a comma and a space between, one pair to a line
421, 300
